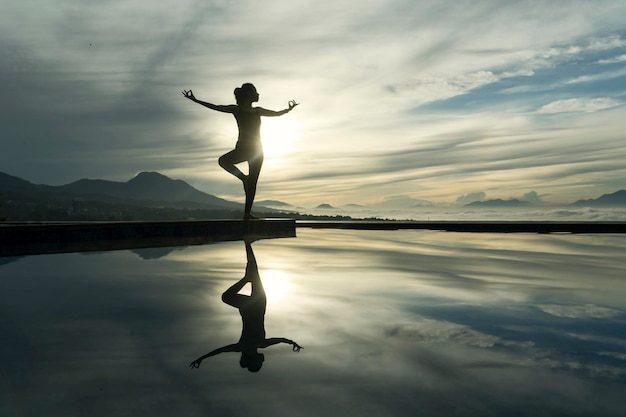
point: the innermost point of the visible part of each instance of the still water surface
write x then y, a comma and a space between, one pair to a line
392, 323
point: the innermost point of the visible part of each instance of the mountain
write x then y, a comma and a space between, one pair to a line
325, 206
146, 189
16, 188
617, 198
149, 187
499, 203
273, 203
9, 182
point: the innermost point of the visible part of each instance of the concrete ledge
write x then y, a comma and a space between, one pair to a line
473, 226
18, 239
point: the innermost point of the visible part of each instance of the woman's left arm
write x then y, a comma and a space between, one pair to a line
272, 113
275, 340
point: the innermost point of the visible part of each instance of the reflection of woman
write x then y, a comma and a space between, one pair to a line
252, 310
248, 148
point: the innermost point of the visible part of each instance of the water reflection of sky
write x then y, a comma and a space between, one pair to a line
392, 323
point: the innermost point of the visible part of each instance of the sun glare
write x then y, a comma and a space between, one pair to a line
279, 136
276, 284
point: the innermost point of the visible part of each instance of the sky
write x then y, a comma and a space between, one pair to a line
401, 101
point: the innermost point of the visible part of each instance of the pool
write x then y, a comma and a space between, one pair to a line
392, 323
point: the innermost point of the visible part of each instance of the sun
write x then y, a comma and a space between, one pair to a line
279, 136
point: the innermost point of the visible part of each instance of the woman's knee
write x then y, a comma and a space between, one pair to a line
229, 298
224, 161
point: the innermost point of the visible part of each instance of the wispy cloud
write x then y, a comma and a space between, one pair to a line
579, 105
620, 58
426, 100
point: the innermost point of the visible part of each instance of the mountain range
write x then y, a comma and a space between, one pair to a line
155, 191
151, 187
146, 189
617, 198
499, 203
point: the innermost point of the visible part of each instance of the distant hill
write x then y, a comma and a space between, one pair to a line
9, 182
617, 198
150, 186
273, 203
149, 189
146, 197
325, 206
499, 203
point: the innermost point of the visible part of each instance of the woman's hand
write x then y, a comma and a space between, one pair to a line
292, 104
195, 364
189, 95
294, 346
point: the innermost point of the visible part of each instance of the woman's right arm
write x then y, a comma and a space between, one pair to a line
224, 109
228, 348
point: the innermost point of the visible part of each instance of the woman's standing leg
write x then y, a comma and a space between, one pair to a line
254, 165
252, 274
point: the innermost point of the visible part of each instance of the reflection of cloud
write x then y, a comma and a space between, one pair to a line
617, 355
587, 311
437, 331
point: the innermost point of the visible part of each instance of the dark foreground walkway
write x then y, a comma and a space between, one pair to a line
473, 226
17, 239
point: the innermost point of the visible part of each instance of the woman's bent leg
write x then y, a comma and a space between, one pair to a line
228, 161
232, 297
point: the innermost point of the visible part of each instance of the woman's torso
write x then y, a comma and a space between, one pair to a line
253, 318
249, 123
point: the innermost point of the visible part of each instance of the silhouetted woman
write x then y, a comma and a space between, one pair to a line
252, 310
248, 148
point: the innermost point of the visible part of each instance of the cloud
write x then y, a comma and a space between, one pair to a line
595, 77
620, 58
401, 201
532, 197
579, 105
440, 88
398, 98
470, 197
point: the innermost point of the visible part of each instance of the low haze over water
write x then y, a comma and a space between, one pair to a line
397, 323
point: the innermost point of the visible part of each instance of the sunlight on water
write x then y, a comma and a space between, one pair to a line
276, 285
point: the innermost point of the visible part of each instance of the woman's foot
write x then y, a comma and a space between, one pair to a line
248, 216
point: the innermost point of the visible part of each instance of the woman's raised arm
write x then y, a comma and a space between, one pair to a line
228, 348
224, 109
272, 113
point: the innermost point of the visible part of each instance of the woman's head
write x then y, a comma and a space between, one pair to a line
253, 361
246, 93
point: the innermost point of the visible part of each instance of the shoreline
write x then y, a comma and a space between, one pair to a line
34, 238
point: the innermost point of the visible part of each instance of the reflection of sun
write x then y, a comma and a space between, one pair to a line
276, 284
279, 135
